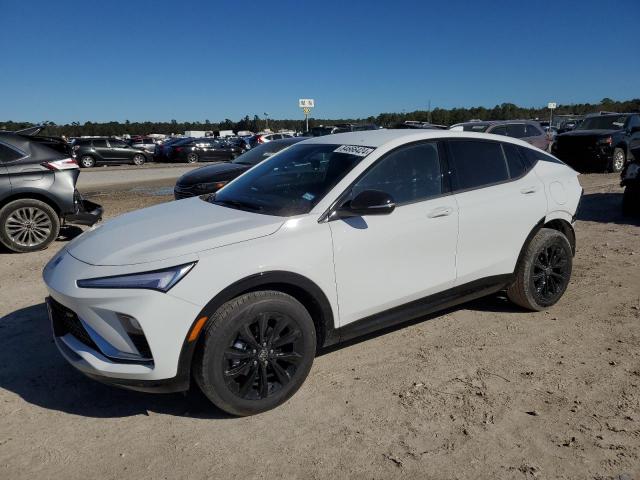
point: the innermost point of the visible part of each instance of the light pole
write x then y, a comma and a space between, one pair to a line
266, 119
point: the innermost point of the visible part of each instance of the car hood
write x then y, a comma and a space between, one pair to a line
169, 230
212, 173
587, 133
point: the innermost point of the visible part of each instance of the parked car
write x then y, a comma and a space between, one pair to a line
322, 130
161, 149
350, 127
96, 151
194, 150
630, 180
526, 130
144, 143
600, 142
37, 192
267, 137
322, 242
212, 178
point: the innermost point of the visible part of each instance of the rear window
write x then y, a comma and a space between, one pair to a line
8, 154
532, 156
477, 164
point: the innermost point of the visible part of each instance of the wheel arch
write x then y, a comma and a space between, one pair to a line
27, 195
307, 292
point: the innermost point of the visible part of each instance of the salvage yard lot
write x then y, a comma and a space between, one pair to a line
484, 390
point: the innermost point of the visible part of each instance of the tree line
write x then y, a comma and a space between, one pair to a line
442, 116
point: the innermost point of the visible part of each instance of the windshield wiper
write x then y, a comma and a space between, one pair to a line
238, 204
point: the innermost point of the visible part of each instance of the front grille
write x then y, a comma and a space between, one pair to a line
65, 321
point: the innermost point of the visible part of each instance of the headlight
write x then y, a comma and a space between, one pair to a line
160, 280
209, 187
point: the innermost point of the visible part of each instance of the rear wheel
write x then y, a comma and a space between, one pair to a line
139, 159
87, 161
544, 271
27, 225
617, 161
192, 158
255, 353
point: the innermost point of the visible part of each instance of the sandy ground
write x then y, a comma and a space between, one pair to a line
482, 391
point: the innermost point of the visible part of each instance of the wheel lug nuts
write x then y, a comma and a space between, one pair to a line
264, 344
255, 362
254, 351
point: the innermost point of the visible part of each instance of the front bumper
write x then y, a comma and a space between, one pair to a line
94, 340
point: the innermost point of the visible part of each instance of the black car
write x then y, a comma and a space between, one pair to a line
160, 150
600, 142
93, 151
211, 178
37, 191
630, 180
193, 150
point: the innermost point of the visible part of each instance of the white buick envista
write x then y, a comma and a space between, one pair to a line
329, 239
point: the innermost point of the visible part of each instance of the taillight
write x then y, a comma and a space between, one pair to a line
64, 164
605, 141
260, 139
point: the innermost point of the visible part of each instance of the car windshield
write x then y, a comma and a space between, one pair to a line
608, 122
260, 153
292, 182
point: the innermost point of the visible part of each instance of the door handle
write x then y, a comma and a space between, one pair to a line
528, 190
440, 212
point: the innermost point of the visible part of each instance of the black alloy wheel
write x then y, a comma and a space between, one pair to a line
551, 272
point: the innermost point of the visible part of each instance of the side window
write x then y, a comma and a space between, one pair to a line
516, 130
117, 144
515, 162
634, 121
101, 143
409, 174
477, 163
499, 130
8, 154
533, 131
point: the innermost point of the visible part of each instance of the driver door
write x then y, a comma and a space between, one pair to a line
385, 261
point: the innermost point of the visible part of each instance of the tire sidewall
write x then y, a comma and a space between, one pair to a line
192, 158
551, 238
6, 211
212, 355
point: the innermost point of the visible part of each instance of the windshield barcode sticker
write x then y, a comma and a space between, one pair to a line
354, 150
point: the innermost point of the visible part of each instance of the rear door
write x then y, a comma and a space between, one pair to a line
120, 151
102, 150
500, 200
8, 154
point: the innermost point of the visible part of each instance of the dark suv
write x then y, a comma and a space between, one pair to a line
600, 142
37, 192
193, 150
93, 151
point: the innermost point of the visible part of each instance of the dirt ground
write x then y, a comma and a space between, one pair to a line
482, 391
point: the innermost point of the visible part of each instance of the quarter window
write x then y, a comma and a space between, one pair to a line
477, 164
8, 154
516, 163
409, 174
533, 131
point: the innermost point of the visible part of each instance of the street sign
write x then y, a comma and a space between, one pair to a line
306, 103
306, 110
551, 105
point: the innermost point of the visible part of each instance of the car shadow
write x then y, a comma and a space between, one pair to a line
32, 367
604, 208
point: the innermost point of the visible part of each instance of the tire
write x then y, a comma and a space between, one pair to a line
243, 371
139, 159
631, 200
544, 271
27, 225
87, 161
192, 158
618, 160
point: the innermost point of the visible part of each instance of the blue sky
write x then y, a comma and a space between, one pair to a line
158, 60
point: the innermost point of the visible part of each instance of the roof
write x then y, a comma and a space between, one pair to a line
378, 138
495, 122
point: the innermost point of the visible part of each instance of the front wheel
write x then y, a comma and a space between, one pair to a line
27, 225
617, 161
87, 161
139, 159
544, 271
255, 353
192, 158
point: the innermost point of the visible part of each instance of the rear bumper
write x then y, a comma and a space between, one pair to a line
88, 213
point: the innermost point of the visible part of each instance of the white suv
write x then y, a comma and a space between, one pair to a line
331, 238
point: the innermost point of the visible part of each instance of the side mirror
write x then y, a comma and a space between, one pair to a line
368, 202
